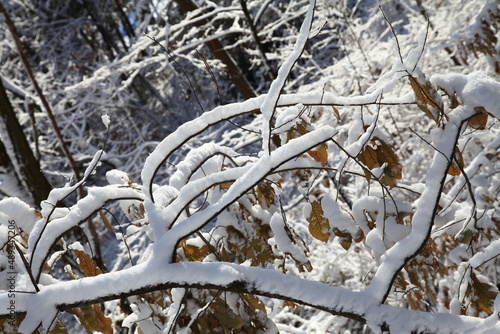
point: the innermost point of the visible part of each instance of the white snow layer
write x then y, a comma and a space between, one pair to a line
474, 90
105, 120
283, 240
269, 105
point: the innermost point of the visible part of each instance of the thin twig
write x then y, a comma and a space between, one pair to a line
356, 38
428, 143
123, 234
180, 67
393, 32
256, 39
471, 194
209, 69
28, 267
423, 46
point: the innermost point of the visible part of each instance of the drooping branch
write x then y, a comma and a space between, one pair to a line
423, 219
222, 113
85, 208
152, 276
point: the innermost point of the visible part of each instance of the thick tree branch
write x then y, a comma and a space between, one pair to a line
270, 72
154, 276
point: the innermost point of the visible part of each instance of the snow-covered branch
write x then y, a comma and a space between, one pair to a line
357, 190
152, 276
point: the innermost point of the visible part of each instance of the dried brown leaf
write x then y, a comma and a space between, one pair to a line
378, 153
319, 226
336, 113
254, 302
193, 253
265, 194
106, 222
454, 169
254, 248
480, 120
92, 318
484, 293
320, 154
386, 154
226, 316
87, 264
424, 97
346, 243
58, 328
291, 304
368, 156
226, 185
301, 128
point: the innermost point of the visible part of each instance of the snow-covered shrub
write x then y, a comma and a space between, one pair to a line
295, 211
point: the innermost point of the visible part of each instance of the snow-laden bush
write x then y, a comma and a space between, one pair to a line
307, 211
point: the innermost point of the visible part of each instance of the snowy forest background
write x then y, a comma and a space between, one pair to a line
185, 166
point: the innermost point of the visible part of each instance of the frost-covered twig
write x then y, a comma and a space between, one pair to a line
190, 129
164, 249
269, 106
423, 219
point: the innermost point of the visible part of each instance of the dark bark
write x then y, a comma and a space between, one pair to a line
239, 286
32, 182
39, 92
100, 25
124, 19
270, 73
217, 48
28, 171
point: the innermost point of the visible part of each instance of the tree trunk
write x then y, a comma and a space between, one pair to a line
18, 150
217, 48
